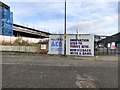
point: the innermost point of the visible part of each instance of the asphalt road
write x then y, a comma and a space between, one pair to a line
27, 70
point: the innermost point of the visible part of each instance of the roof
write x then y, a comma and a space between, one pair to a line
4, 5
30, 28
113, 38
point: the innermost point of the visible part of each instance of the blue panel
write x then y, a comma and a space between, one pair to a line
7, 22
0, 20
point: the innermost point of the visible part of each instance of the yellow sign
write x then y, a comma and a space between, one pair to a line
65, 34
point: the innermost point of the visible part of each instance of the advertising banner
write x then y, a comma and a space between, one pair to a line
81, 45
56, 44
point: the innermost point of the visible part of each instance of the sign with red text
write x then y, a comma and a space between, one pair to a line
113, 45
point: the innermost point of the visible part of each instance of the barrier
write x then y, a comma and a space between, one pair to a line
18, 48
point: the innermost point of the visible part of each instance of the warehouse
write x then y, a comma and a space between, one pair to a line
10, 29
109, 45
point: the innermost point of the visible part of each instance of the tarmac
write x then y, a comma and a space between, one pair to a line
31, 70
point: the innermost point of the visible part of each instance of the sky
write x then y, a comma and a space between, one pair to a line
87, 16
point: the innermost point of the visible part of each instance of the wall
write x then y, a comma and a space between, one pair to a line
19, 48
11, 39
43, 47
81, 45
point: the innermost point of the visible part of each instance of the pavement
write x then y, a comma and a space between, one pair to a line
92, 58
99, 58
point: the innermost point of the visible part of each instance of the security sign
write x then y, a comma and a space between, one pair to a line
43, 46
113, 45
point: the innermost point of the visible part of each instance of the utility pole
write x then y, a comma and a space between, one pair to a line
65, 32
77, 34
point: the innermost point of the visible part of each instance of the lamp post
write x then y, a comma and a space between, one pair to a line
65, 32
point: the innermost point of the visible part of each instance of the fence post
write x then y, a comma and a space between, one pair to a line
114, 51
107, 50
103, 51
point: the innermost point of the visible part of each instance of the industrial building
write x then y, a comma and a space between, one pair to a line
109, 45
109, 39
19, 30
7, 27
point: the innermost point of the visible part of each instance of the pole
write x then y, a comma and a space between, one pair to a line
77, 34
65, 32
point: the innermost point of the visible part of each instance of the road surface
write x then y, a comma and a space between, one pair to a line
27, 70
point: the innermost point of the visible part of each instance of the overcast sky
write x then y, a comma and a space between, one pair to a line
91, 16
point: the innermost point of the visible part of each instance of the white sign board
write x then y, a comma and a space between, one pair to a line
56, 44
109, 45
43, 46
82, 45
